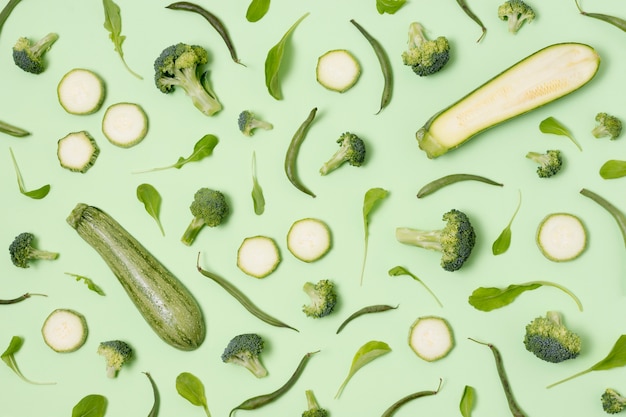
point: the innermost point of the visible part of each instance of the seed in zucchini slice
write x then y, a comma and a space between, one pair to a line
338, 70
81, 91
125, 124
540, 78
308, 239
561, 237
258, 256
431, 338
77, 151
64, 330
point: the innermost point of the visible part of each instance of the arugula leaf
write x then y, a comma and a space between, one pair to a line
366, 353
154, 411
113, 23
8, 357
37, 194
191, 388
467, 401
151, 200
389, 6
88, 282
553, 126
372, 197
612, 169
257, 9
258, 199
396, 271
202, 149
92, 405
502, 243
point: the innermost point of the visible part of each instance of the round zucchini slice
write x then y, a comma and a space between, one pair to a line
308, 239
561, 237
258, 256
81, 91
338, 70
64, 330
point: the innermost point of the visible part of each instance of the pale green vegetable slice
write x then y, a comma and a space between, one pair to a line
64, 330
258, 256
561, 237
125, 124
308, 239
431, 338
337, 70
81, 91
77, 151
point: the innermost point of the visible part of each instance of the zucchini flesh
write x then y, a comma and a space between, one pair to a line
561, 237
540, 78
125, 124
77, 151
337, 70
163, 301
64, 330
431, 338
81, 91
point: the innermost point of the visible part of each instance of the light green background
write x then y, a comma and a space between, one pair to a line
394, 162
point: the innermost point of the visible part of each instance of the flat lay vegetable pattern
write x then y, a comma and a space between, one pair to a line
91, 125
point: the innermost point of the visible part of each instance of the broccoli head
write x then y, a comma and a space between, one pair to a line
612, 401
29, 56
425, 56
180, 65
313, 407
351, 150
116, 353
455, 241
209, 208
548, 339
515, 12
608, 125
549, 162
22, 251
323, 298
245, 350
248, 121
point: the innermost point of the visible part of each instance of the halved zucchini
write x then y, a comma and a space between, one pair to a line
540, 78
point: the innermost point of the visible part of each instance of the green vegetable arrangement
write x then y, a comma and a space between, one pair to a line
324, 167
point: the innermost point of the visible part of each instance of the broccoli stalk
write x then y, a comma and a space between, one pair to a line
549, 339
351, 150
248, 121
209, 208
180, 65
455, 241
515, 12
23, 251
612, 401
425, 56
313, 407
116, 353
245, 350
29, 56
608, 125
549, 162
323, 298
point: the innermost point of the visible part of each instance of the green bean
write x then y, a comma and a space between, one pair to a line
475, 18
6, 11
292, 154
13, 130
261, 400
213, 20
378, 308
394, 407
20, 298
385, 66
439, 183
242, 298
615, 21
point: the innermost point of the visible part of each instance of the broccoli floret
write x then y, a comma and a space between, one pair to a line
612, 401
248, 121
608, 125
351, 150
116, 353
323, 298
22, 251
455, 241
549, 339
425, 56
549, 162
180, 65
29, 56
314, 409
209, 208
515, 12
245, 350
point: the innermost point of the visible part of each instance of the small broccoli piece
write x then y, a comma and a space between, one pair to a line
245, 350
549, 339
209, 208
180, 65
612, 401
549, 162
116, 353
248, 121
22, 251
455, 241
515, 12
608, 125
425, 56
323, 298
351, 150
29, 56
314, 409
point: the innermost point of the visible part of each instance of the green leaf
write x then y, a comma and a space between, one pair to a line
202, 149
37, 194
257, 9
151, 200
399, 270
389, 6
553, 126
191, 388
88, 282
258, 199
8, 357
274, 59
113, 24
612, 169
92, 405
366, 353
502, 243
467, 401
154, 411
372, 197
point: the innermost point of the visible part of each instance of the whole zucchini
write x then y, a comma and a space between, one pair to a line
163, 301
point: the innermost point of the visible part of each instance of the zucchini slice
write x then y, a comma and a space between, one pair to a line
540, 78
64, 330
337, 70
125, 124
431, 338
81, 91
258, 256
308, 239
77, 151
561, 237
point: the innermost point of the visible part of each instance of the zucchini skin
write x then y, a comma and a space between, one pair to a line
163, 301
